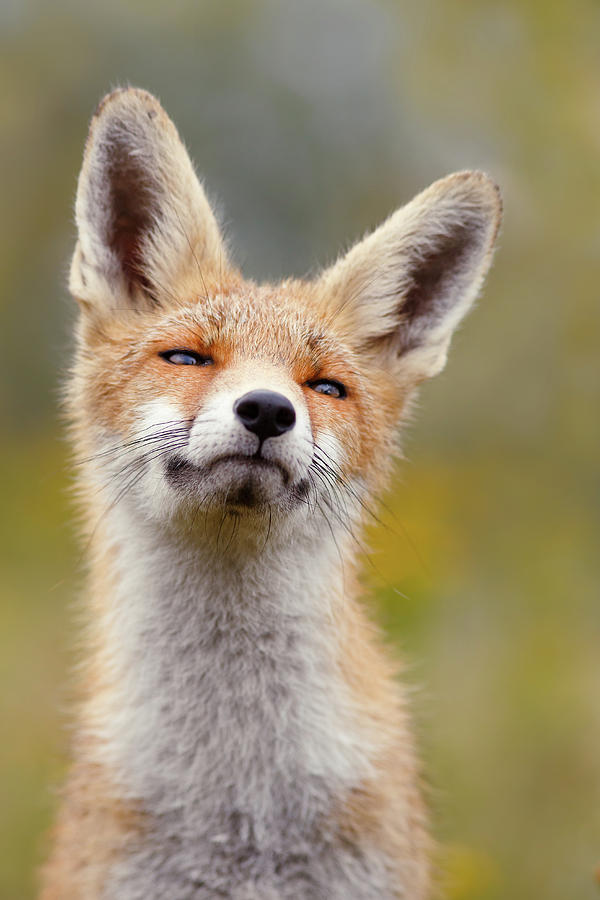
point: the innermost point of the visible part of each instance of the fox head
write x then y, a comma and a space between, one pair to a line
196, 389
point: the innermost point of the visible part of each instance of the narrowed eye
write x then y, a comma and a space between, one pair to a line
330, 388
186, 358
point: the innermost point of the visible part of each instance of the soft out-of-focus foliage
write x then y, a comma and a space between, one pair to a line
310, 122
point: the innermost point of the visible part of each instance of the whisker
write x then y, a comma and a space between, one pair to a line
193, 252
167, 428
335, 469
129, 476
322, 458
268, 530
234, 530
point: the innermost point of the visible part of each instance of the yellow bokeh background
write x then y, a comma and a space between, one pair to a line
310, 122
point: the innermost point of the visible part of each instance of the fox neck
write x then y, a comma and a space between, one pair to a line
225, 695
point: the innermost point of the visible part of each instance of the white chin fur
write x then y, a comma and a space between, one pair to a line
231, 481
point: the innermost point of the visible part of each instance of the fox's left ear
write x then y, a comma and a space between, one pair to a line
402, 290
143, 220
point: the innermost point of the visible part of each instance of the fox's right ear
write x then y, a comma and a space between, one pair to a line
143, 220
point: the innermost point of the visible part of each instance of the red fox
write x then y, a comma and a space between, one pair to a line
240, 731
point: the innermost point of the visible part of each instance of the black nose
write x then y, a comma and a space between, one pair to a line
265, 413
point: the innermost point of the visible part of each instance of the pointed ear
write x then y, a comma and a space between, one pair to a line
402, 290
143, 219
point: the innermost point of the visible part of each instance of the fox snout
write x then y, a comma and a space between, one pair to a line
266, 414
248, 442
248, 469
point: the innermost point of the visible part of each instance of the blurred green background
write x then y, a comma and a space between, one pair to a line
310, 123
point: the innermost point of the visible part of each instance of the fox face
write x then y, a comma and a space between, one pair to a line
246, 400
196, 390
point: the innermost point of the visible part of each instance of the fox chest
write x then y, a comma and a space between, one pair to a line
283, 845
313, 869
247, 809
236, 749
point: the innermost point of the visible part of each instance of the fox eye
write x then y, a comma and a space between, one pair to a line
330, 388
186, 358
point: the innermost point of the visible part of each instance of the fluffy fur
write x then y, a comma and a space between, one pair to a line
241, 733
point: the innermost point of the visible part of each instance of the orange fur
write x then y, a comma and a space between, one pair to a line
95, 825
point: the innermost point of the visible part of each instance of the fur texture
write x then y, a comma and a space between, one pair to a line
241, 733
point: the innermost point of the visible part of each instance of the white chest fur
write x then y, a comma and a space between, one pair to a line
228, 719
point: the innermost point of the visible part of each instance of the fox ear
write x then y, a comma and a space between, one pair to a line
403, 290
142, 216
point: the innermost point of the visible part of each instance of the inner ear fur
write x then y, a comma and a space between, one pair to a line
143, 220
401, 292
